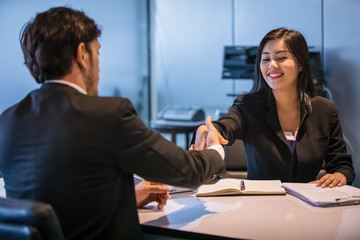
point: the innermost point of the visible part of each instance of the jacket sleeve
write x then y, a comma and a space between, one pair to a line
148, 154
337, 159
230, 126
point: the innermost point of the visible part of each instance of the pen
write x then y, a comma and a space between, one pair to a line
242, 185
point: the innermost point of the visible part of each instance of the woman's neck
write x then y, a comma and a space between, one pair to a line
286, 101
288, 109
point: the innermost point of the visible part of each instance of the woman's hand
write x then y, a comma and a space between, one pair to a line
331, 180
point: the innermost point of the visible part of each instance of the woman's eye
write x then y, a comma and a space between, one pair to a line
281, 58
265, 59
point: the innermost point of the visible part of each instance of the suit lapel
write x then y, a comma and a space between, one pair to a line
273, 119
304, 112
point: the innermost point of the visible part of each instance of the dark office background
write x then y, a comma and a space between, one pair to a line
187, 44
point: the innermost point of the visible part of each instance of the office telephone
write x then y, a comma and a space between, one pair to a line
177, 113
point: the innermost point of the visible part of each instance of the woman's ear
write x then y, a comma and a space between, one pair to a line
81, 55
300, 68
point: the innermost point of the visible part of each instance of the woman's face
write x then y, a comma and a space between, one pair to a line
278, 66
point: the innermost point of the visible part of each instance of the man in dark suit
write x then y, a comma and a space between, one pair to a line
64, 145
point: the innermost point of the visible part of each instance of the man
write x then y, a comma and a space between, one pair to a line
64, 145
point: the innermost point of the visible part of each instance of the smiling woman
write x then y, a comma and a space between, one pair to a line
278, 67
290, 51
286, 129
283, 54
280, 71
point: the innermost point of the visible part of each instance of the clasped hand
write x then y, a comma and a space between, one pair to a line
207, 136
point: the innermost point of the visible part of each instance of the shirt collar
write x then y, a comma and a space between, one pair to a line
73, 85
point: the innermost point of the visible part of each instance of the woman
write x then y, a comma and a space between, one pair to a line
287, 131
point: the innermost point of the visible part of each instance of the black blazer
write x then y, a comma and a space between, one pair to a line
255, 121
79, 153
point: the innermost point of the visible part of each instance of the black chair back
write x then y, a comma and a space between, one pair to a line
235, 161
25, 219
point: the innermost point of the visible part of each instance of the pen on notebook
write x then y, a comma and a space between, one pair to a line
242, 185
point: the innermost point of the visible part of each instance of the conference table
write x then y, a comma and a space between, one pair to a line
249, 217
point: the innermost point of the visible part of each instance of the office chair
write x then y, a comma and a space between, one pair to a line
28, 220
235, 160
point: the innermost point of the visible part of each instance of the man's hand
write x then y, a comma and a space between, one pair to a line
331, 180
147, 192
200, 138
206, 136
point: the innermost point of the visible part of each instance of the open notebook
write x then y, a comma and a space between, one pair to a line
234, 186
172, 189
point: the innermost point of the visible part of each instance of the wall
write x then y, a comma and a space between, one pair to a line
188, 38
342, 68
123, 53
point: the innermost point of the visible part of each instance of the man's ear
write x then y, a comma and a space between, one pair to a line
81, 55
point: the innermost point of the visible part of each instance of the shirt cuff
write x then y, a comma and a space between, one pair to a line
219, 149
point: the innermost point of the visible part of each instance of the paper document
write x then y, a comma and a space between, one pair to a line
319, 196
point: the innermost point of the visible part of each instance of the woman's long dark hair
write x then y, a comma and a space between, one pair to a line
297, 46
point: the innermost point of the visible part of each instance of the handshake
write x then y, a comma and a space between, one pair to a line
207, 136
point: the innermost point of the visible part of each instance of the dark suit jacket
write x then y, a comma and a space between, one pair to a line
255, 121
79, 153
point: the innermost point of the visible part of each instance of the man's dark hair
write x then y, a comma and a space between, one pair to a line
50, 41
297, 46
